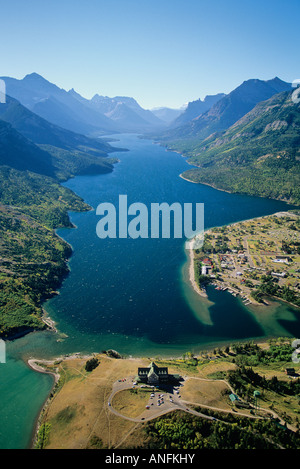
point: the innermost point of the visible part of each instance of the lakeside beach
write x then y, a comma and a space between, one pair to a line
192, 278
204, 183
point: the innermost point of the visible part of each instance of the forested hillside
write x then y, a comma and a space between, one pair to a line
35, 156
258, 155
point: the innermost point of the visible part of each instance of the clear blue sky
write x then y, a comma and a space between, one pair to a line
161, 52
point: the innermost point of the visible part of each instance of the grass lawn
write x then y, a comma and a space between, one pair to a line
130, 402
208, 393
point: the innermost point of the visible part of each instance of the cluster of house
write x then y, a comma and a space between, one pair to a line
225, 261
242, 257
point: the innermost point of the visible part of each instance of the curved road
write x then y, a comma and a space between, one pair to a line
177, 403
154, 410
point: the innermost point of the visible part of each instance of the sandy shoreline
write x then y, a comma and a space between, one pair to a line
36, 365
192, 279
204, 183
186, 179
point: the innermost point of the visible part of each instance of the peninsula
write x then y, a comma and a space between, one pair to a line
253, 259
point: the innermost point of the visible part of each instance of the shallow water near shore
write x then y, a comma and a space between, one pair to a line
130, 295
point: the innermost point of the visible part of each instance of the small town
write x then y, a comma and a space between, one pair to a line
253, 259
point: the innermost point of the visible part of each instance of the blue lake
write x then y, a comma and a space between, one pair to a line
133, 295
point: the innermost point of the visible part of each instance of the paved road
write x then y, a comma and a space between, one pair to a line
177, 403
155, 410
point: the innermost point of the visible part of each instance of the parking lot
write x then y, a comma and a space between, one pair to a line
161, 400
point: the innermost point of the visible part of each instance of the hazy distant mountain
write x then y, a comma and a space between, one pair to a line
40, 131
166, 114
127, 118
57, 105
196, 108
30, 143
126, 112
228, 110
71, 111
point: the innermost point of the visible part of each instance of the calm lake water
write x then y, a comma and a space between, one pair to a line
133, 295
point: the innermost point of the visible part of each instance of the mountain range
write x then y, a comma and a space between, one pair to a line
30, 143
125, 112
225, 111
41, 131
246, 141
69, 110
32, 137
196, 108
258, 155
167, 115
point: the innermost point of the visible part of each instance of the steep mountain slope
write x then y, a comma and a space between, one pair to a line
69, 110
227, 110
257, 155
167, 115
20, 153
40, 131
57, 105
196, 108
145, 114
126, 117
67, 153
33, 260
126, 113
